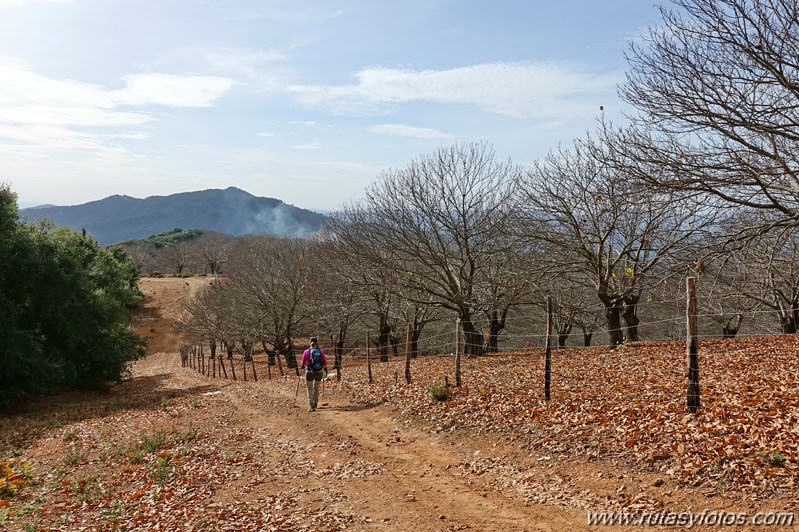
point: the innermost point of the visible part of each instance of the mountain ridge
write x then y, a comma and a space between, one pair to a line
231, 211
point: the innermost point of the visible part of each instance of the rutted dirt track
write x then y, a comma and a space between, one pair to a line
348, 464
360, 464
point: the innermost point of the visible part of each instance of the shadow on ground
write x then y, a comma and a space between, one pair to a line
25, 422
357, 407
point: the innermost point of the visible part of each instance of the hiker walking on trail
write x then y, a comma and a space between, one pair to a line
314, 362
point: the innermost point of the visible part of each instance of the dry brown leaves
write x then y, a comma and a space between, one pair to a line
175, 462
628, 406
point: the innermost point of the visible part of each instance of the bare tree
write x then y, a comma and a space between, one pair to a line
270, 279
607, 227
436, 224
206, 319
177, 256
141, 253
342, 295
213, 249
765, 273
507, 281
716, 86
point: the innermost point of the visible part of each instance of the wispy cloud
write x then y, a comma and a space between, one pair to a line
401, 130
20, 3
56, 113
511, 89
170, 89
308, 146
266, 69
362, 168
295, 16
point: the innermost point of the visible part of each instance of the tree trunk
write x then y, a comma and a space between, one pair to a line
587, 339
564, 331
730, 329
495, 326
613, 308
788, 324
338, 353
270, 354
613, 317
286, 347
473, 339
692, 348
246, 347
630, 316
416, 333
384, 332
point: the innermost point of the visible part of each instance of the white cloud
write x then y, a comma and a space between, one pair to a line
401, 130
511, 89
265, 69
315, 15
169, 89
4, 4
47, 112
349, 167
308, 146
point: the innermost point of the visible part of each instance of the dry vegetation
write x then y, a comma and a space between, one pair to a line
172, 449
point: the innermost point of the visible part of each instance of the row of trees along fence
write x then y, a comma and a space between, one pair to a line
213, 365
194, 357
692, 349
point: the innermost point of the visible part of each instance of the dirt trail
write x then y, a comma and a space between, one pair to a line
358, 461
171, 449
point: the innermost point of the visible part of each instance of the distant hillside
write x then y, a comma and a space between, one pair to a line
231, 211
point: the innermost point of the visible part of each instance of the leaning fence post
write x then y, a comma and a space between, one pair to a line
548, 355
692, 348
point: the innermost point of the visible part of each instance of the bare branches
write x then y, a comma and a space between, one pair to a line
717, 87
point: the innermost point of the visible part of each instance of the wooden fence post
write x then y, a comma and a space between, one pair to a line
222, 364
408, 355
457, 354
692, 348
368, 359
548, 355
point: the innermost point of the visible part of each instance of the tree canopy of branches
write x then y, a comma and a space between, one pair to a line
716, 87
606, 229
436, 225
64, 307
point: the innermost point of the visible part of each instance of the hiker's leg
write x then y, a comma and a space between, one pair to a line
317, 383
309, 385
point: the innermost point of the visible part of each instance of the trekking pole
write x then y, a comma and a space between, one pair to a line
297, 391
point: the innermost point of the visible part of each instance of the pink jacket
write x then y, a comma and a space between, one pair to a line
306, 358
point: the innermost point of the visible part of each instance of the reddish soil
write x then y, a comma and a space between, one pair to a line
173, 449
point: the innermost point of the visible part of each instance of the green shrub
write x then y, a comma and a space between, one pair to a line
65, 306
439, 392
774, 458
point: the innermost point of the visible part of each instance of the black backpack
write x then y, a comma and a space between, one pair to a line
315, 359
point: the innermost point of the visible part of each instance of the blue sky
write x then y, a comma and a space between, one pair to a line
304, 101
